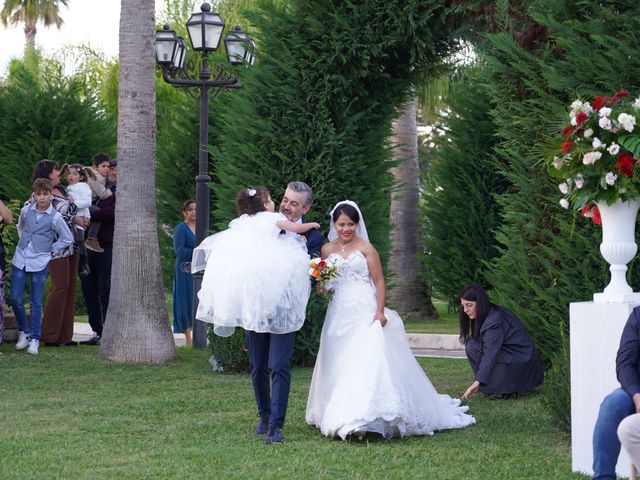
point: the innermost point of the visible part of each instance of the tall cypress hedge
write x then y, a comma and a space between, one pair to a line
460, 213
49, 115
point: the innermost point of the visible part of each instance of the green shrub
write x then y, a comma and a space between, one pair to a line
557, 389
229, 352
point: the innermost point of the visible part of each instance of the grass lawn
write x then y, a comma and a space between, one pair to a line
69, 414
447, 323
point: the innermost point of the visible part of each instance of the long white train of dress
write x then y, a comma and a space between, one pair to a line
366, 378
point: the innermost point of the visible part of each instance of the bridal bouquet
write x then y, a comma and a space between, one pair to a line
600, 153
322, 271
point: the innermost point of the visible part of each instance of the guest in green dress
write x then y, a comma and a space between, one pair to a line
184, 240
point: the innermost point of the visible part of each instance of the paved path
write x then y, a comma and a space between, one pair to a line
422, 345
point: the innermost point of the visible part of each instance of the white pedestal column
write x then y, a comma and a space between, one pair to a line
595, 330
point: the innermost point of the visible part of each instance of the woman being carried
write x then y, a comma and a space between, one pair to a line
365, 378
252, 278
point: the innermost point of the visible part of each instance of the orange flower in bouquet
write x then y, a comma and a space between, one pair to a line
322, 270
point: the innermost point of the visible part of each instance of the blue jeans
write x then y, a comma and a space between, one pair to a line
18, 281
606, 446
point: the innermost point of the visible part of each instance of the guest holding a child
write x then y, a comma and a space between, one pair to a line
58, 318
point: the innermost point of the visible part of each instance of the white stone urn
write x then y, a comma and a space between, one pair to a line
618, 248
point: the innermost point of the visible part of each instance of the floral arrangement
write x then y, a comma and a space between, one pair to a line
600, 152
322, 271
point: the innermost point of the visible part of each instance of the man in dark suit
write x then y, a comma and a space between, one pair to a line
270, 352
620, 403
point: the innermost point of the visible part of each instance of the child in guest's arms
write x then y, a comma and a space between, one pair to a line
79, 193
42, 231
254, 278
99, 191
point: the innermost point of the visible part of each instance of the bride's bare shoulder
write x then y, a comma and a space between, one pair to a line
327, 249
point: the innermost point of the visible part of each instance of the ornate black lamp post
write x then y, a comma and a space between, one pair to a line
205, 30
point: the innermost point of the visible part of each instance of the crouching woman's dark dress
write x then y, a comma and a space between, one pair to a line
504, 359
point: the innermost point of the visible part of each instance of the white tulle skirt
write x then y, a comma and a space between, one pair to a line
253, 280
367, 380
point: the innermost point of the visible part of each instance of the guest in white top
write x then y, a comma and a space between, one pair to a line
79, 192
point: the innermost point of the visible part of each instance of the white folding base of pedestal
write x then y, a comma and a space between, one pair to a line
595, 330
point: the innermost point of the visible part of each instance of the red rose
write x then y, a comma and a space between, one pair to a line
620, 94
599, 102
596, 218
581, 117
567, 145
586, 211
625, 164
568, 130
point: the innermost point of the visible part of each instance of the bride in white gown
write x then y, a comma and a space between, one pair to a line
365, 378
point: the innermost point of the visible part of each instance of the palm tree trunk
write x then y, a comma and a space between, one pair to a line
30, 56
137, 326
409, 293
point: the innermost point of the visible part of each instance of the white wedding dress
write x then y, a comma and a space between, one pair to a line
365, 378
254, 278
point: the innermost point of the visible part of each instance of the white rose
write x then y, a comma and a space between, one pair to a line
587, 108
597, 143
576, 105
610, 178
591, 157
579, 181
605, 123
564, 188
636, 104
588, 132
604, 112
627, 121
557, 163
574, 122
564, 203
613, 149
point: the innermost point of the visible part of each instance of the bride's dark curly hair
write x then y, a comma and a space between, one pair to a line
251, 200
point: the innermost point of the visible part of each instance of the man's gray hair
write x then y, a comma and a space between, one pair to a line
301, 187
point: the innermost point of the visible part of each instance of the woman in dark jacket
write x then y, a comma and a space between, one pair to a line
498, 346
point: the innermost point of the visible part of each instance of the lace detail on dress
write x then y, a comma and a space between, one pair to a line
352, 269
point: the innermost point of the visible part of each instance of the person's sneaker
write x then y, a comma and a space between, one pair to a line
33, 347
263, 426
95, 340
23, 341
94, 245
274, 436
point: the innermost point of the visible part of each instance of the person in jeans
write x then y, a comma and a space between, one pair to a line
620, 403
42, 231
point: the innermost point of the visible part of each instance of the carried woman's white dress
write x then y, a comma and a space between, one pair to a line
365, 378
254, 278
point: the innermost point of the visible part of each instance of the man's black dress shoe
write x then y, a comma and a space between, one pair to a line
71, 344
95, 340
51, 344
263, 426
274, 436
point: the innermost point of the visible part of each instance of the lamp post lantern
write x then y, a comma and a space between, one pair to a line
205, 31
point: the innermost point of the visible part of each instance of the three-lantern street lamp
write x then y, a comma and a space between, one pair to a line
205, 31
